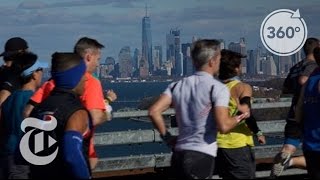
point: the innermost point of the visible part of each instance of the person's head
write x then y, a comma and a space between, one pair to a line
68, 70
14, 46
316, 54
90, 50
309, 45
33, 74
206, 55
230, 65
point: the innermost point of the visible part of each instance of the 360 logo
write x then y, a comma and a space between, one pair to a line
27, 154
283, 32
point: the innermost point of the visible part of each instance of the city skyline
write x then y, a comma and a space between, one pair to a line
55, 25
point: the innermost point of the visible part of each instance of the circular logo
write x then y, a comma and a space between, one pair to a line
283, 32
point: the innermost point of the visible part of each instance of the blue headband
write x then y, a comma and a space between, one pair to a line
70, 78
33, 68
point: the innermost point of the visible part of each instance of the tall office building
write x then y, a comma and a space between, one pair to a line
269, 66
107, 67
136, 58
252, 62
147, 41
157, 57
240, 47
125, 62
285, 64
174, 53
187, 61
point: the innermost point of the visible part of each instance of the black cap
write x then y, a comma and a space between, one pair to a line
13, 45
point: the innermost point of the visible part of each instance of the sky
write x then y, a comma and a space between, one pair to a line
55, 25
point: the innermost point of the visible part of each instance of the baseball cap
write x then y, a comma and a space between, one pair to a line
13, 45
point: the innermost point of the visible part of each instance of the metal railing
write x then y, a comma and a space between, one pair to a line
110, 166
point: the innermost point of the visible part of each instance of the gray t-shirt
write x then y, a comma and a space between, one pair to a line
192, 99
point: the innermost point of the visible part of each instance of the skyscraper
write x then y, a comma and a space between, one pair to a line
136, 58
157, 57
147, 41
125, 62
174, 53
269, 66
187, 61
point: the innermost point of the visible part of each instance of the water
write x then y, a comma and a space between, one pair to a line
131, 94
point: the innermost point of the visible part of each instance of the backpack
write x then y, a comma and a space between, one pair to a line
291, 84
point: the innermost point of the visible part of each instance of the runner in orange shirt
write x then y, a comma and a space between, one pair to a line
93, 99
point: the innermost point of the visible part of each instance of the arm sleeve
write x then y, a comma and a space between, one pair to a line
93, 95
252, 124
73, 155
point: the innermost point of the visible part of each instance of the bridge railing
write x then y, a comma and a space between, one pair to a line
150, 162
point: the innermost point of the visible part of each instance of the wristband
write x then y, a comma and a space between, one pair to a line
109, 99
259, 133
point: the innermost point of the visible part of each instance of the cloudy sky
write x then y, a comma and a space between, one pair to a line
55, 25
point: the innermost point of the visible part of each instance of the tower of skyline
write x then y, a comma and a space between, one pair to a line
157, 57
174, 53
125, 62
147, 41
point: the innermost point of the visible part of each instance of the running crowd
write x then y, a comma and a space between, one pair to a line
213, 113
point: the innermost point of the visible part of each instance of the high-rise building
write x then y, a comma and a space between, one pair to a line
276, 59
252, 62
188, 68
106, 68
269, 66
174, 53
147, 41
143, 68
136, 58
285, 64
125, 62
157, 57
240, 47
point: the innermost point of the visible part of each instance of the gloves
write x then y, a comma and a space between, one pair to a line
169, 139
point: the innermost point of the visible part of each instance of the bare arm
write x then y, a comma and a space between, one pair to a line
303, 79
99, 116
155, 112
27, 110
4, 94
78, 121
224, 122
